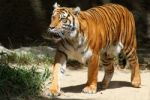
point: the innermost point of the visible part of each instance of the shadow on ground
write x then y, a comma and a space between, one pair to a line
37, 98
44, 98
113, 85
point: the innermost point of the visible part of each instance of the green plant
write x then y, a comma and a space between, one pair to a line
21, 81
24, 58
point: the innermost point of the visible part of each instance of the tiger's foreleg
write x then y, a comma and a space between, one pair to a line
93, 66
58, 69
107, 62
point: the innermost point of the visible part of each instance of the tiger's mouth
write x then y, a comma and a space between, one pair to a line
56, 33
55, 36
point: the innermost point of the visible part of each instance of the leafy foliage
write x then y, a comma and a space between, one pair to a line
21, 81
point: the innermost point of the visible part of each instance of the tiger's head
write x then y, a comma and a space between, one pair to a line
64, 21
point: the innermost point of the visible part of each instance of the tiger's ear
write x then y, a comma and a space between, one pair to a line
76, 10
56, 5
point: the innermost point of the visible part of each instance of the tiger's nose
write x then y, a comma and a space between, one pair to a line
51, 27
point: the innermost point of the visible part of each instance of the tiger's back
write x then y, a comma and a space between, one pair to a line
110, 23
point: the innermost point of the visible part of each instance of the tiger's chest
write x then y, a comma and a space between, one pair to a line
81, 55
77, 51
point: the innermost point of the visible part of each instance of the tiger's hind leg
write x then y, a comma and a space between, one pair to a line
134, 64
107, 62
122, 61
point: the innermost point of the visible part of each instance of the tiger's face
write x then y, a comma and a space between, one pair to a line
64, 22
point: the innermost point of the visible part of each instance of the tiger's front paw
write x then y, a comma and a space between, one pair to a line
52, 92
136, 82
90, 89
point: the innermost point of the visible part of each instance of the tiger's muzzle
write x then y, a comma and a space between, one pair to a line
55, 33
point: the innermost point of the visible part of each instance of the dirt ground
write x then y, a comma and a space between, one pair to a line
119, 89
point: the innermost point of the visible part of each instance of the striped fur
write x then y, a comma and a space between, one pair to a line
99, 33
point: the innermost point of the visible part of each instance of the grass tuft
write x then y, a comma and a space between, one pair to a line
21, 81
25, 58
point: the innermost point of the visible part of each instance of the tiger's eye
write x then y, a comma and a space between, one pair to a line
64, 20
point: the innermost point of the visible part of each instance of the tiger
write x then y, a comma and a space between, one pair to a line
93, 37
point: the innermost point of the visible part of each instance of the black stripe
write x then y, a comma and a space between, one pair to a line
68, 42
104, 12
62, 43
63, 53
73, 23
68, 16
117, 9
84, 51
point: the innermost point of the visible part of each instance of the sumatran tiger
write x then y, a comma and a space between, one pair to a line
93, 36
